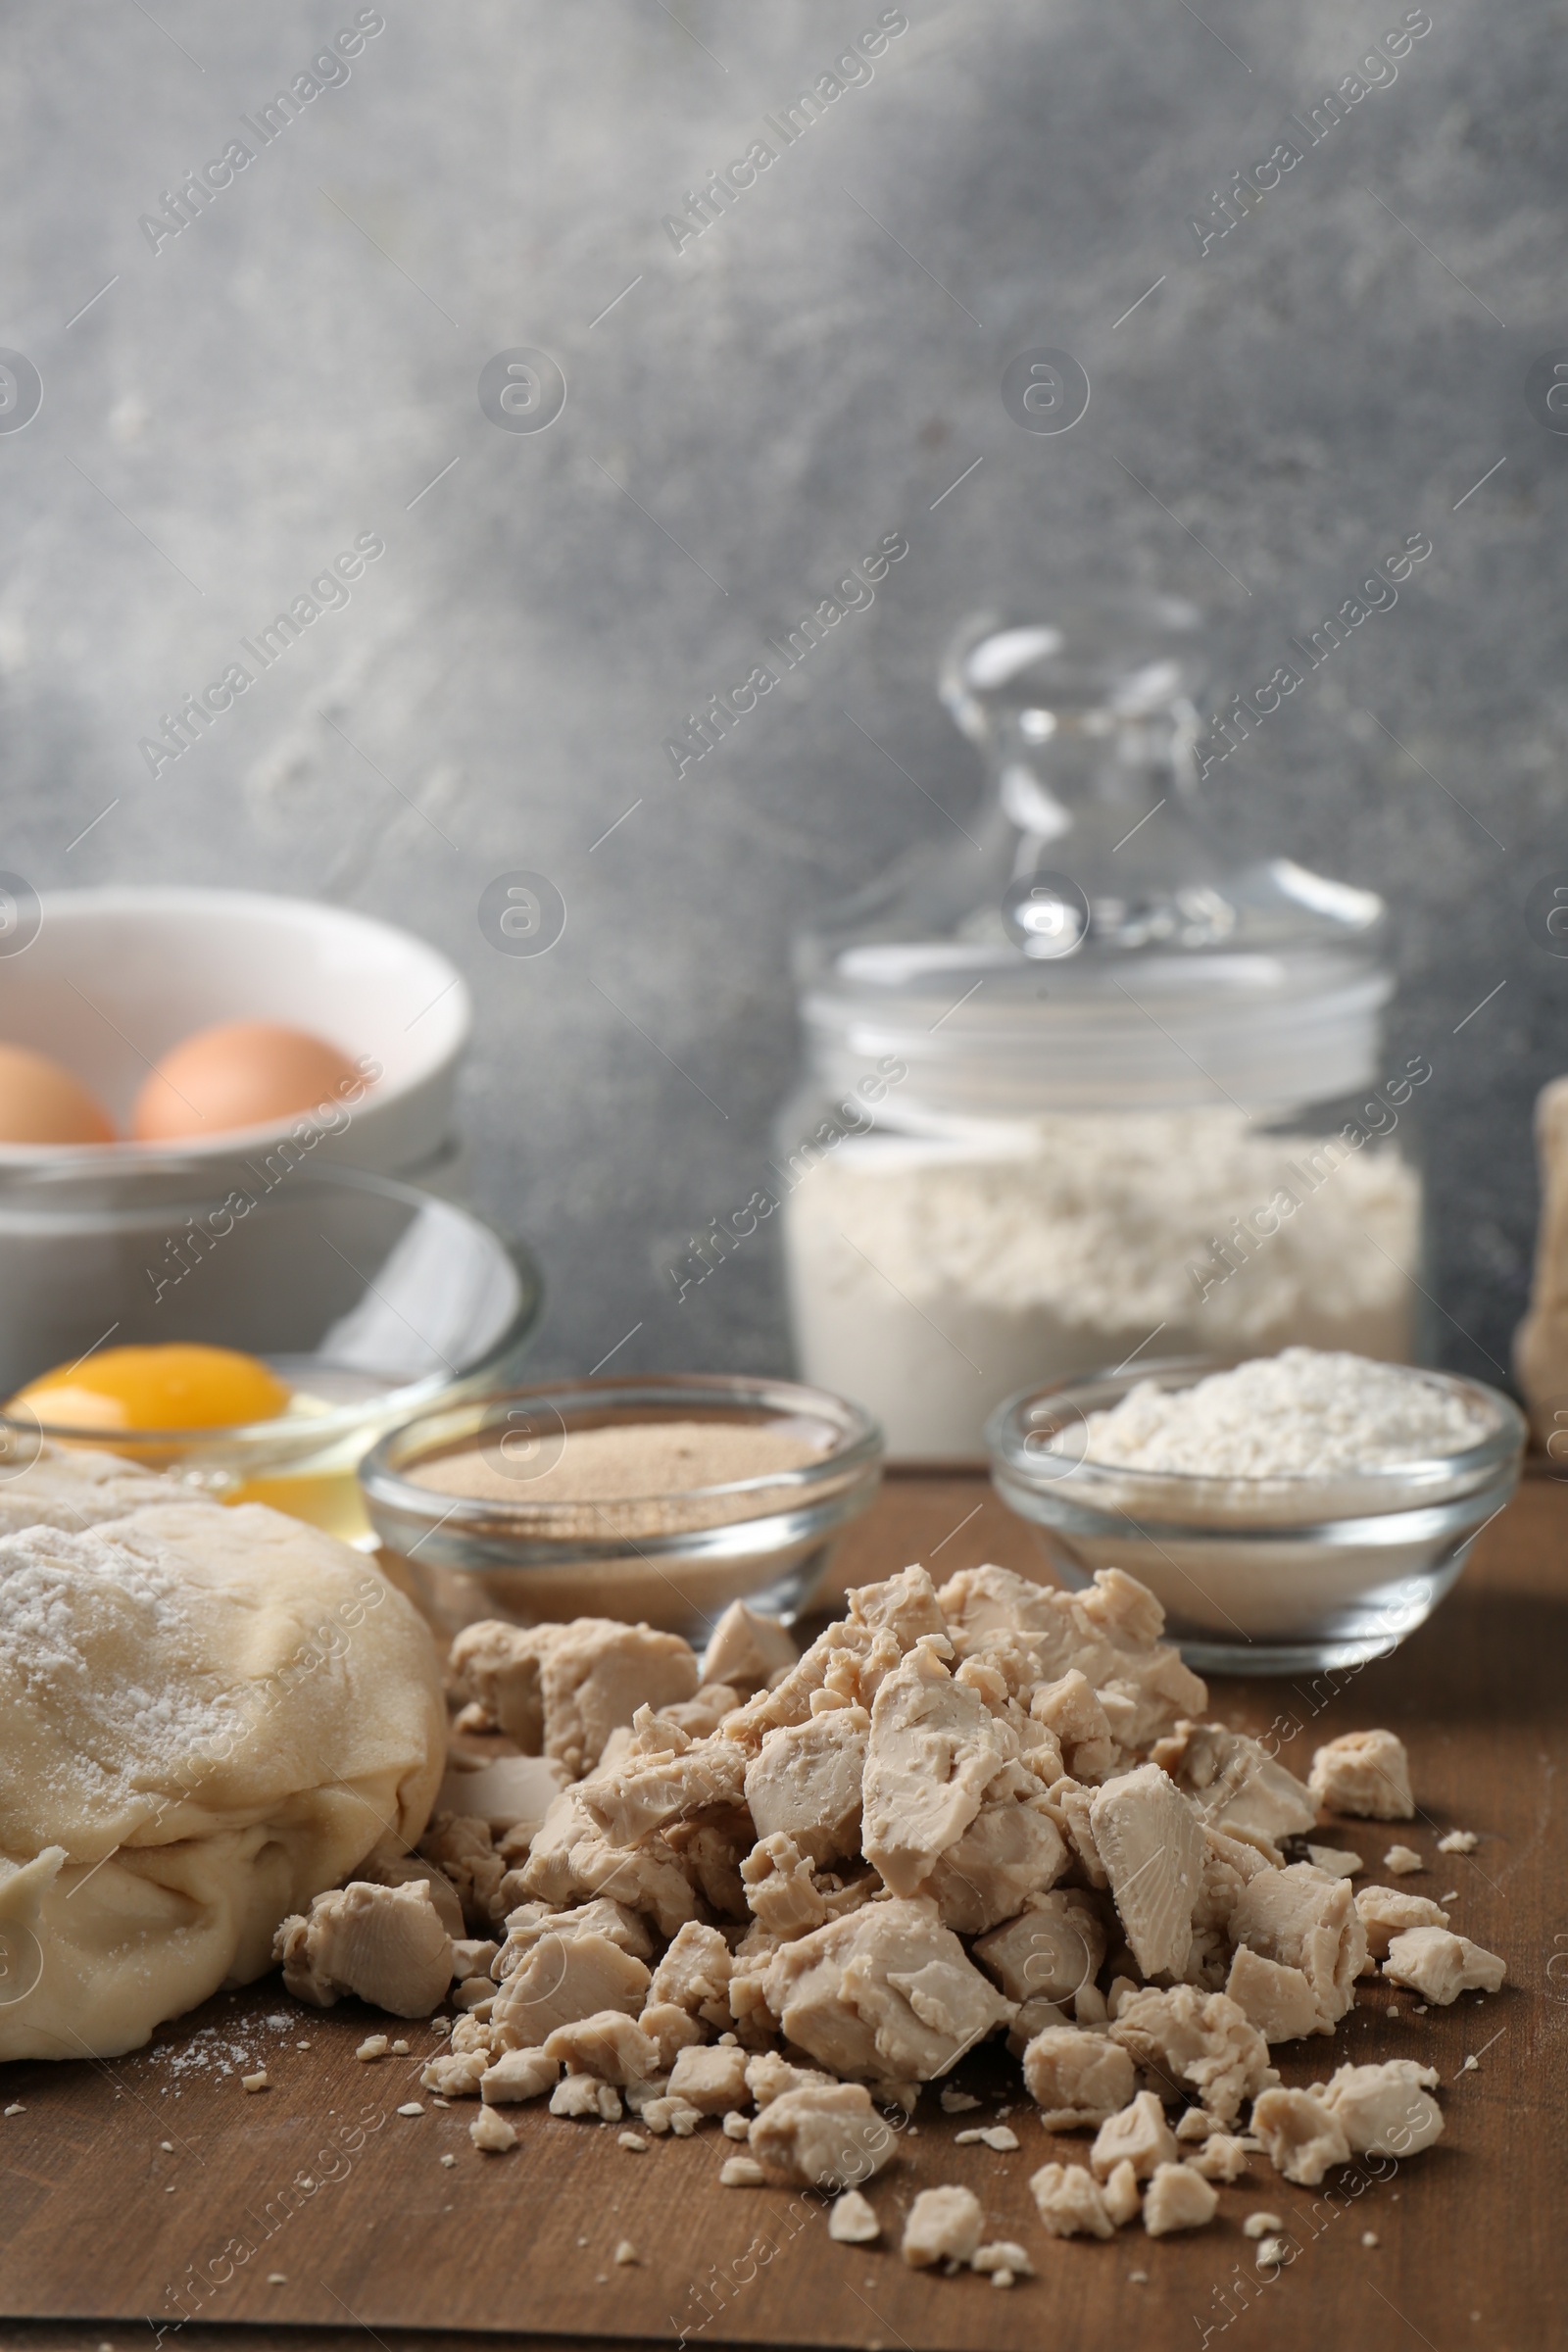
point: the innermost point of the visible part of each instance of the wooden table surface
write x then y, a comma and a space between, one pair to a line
150, 2188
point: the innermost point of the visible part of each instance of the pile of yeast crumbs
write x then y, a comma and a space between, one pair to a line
788, 1892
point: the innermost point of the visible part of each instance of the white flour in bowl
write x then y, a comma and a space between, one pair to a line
1303, 1414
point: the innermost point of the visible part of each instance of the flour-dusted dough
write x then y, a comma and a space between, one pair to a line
76, 1487
207, 1717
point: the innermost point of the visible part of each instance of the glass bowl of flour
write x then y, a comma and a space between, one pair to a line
1290, 1513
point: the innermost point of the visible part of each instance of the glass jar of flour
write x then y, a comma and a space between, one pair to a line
1080, 1093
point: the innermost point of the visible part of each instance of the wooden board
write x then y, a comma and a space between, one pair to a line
101, 2222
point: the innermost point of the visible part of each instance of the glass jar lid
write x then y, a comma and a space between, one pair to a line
1093, 946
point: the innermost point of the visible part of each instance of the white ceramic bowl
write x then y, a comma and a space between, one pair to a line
112, 978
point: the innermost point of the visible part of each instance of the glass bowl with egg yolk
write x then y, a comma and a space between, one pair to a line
180, 1384
252, 1331
137, 1400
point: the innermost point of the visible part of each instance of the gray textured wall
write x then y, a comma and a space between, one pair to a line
813, 371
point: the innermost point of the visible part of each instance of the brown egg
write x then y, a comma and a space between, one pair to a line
240, 1074
42, 1104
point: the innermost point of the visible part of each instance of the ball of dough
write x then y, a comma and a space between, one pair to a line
73, 1486
209, 1716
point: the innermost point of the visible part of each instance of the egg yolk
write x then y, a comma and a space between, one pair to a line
180, 1385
